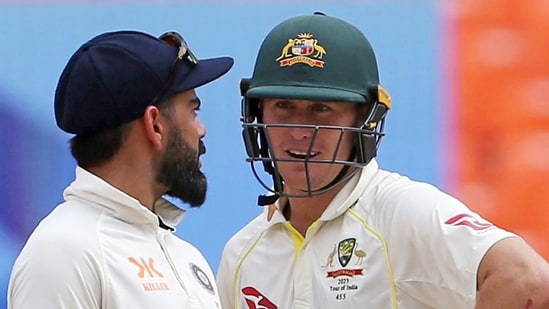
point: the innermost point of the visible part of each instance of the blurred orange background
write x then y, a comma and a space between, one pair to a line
500, 99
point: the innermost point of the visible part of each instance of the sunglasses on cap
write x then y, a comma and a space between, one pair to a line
184, 54
176, 40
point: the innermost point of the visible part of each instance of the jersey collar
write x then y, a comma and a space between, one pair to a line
97, 191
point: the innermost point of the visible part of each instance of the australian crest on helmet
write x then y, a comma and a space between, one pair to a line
304, 48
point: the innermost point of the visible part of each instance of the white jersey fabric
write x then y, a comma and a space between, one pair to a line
385, 241
102, 249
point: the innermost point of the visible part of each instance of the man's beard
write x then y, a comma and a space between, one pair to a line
179, 171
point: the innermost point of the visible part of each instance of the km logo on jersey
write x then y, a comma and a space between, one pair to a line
145, 267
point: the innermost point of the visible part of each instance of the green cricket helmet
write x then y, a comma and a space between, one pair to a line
318, 58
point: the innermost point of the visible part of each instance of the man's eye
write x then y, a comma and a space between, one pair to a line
320, 107
283, 105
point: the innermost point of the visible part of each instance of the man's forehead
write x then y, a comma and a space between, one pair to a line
303, 101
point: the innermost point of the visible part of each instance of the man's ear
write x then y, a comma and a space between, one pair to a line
154, 129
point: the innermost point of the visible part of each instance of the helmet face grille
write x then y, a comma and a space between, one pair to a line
258, 145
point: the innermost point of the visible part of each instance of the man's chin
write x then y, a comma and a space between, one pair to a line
191, 192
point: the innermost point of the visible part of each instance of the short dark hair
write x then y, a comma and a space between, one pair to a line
167, 108
96, 149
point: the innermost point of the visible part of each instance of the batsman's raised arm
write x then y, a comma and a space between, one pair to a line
513, 275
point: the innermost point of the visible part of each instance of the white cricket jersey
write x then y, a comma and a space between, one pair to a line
102, 249
385, 241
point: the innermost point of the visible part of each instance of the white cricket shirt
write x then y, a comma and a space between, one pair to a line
102, 249
385, 241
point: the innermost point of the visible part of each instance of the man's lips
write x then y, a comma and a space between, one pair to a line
301, 154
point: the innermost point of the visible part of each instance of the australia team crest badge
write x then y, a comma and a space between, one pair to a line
304, 48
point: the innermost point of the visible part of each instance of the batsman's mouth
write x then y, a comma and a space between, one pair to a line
301, 155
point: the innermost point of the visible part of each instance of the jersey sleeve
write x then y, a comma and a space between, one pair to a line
436, 243
234, 252
225, 275
56, 270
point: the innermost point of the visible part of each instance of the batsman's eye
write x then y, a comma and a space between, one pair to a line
283, 105
320, 107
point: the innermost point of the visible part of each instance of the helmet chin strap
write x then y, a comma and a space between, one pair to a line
263, 200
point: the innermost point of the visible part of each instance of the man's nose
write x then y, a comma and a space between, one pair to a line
299, 132
201, 128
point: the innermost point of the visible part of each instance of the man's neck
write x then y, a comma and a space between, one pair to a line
303, 212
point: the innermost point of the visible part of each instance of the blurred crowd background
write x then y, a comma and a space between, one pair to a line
469, 81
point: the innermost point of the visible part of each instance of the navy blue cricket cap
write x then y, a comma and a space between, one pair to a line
112, 78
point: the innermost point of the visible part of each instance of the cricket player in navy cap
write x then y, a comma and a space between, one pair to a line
129, 99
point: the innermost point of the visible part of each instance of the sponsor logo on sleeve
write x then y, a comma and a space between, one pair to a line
468, 221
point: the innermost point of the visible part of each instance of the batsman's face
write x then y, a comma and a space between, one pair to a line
297, 143
180, 164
